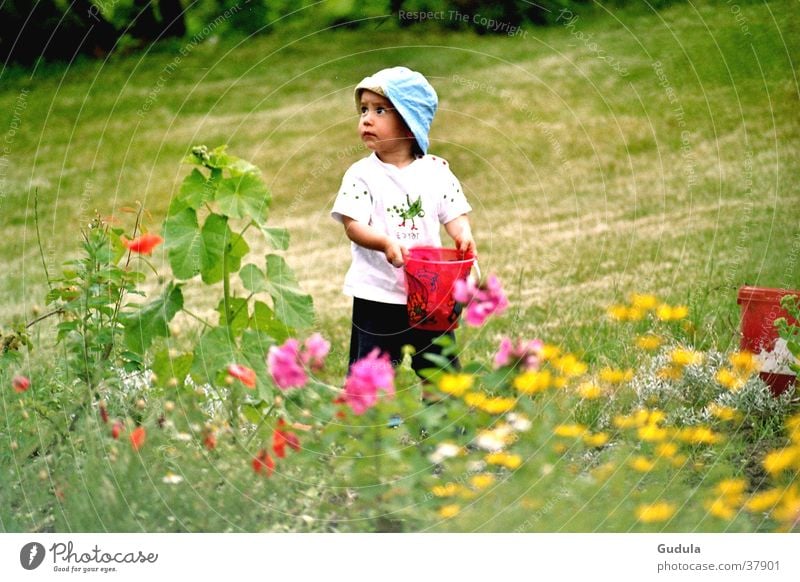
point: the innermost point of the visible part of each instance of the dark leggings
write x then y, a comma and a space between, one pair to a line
385, 326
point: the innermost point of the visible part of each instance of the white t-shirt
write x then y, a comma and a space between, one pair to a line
406, 203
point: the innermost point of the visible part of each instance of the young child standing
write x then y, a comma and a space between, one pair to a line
394, 199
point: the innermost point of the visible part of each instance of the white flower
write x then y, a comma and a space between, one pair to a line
172, 479
444, 451
183, 436
519, 422
489, 440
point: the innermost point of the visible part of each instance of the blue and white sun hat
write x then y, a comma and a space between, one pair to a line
410, 93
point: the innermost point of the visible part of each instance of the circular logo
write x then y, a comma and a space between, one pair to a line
31, 555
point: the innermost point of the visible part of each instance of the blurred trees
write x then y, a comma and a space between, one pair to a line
62, 29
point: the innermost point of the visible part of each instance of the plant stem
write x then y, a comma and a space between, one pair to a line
39, 237
226, 297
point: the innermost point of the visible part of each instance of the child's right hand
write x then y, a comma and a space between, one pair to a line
395, 253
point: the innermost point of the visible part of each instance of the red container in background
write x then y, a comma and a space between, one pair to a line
761, 306
431, 273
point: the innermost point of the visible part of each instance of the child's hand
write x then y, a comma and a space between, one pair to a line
461, 233
466, 244
395, 253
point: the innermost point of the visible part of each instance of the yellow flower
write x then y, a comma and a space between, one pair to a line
549, 352
449, 511
447, 490
744, 362
559, 382
615, 376
474, 399
559, 448
596, 440
666, 312
507, 460
678, 461
652, 433
533, 381
670, 373
788, 510
779, 460
724, 412
604, 471
570, 430
642, 464
685, 357
719, 508
765, 500
732, 490
481, 481
590, 391
641, 417
618, 312
636, 313
644, 301
497, 405
655, 512
570, 366
729, 380
456, 384
666, 450
649, 342
698, 435
793, 428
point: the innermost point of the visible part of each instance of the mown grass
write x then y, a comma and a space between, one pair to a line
676, 178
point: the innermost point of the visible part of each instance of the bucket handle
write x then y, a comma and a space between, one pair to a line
477, 269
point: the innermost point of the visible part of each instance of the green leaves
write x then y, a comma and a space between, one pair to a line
243, 196
151, 320
184, 244
292, 306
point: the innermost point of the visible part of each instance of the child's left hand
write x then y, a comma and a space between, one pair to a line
461, 233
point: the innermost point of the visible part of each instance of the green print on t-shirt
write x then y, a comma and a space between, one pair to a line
409, 212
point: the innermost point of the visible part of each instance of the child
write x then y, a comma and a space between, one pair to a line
392, 200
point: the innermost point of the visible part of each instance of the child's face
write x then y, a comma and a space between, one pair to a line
381, 128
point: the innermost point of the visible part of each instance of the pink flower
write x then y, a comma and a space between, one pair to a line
368, 375
481, 301
316, 349
526, 353
285, 365
244, 374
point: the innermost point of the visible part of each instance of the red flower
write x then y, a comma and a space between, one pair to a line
210, 440
263, 463
116, 430
137, 437
244, 374
281, 438
20, 383
103, 414
144, 244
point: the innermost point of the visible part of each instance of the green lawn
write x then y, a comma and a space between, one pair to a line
628, 152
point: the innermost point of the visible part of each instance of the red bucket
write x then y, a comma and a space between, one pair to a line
761, 306
431, 274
